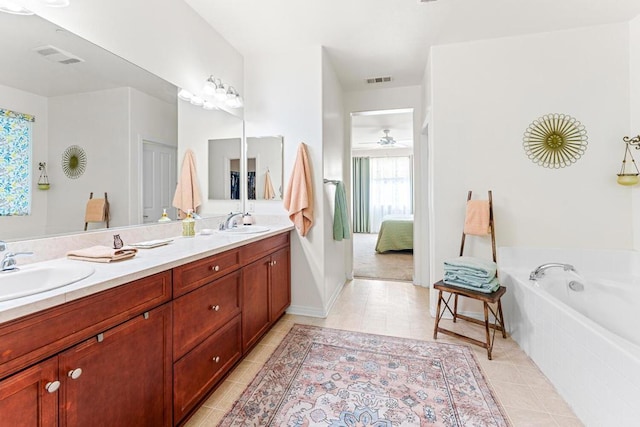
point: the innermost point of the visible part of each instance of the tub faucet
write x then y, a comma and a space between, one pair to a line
9, 261
539, 272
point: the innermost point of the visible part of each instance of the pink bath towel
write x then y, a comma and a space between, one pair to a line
298, 199
477, 218
269, 192
187, 196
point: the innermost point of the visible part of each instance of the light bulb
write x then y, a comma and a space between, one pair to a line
208, 105
197, 101
209, 87
185, 95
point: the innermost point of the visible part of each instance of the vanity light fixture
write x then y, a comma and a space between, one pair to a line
17, 7
215, 94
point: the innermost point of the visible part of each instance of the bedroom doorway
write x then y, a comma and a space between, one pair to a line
383, 196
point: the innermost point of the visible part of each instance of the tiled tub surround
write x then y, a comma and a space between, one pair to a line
595, 369
52, 250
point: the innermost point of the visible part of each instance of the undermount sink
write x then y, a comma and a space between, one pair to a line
33, 279
246, 229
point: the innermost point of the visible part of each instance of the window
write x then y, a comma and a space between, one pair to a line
391, 188
15, 163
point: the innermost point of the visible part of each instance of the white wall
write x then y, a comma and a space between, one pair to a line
634, 115
395, 98
484, 96
13, 227
284, 97
336, 165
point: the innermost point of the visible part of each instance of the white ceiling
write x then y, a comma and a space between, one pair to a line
371, 38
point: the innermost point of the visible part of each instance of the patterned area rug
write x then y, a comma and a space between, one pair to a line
328, 377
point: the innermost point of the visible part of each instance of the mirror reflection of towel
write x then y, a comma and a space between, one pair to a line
187, 195
96, 210
269, 192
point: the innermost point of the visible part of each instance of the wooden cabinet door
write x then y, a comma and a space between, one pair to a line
24, 399
255, 301
122, 377
280, 283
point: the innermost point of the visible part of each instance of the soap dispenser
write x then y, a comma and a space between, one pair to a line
188, 225
164, 217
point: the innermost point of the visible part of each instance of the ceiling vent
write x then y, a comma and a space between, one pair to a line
54, 54
374, 80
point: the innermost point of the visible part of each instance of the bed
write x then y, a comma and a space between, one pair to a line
396, 233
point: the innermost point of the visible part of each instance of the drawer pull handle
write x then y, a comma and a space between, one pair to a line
74, 374
272, 263
215, 307
216, 359
215, 268
52, 386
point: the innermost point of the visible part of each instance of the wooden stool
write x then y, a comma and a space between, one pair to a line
492, 298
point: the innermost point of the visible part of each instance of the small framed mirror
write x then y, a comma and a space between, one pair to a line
264, 168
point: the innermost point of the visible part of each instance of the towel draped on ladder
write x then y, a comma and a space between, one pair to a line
298, 199
187, 195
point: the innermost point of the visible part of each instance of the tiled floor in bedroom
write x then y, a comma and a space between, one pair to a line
401, 309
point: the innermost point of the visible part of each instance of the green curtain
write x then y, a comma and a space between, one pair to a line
361, 222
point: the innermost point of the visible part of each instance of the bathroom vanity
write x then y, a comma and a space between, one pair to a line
148, 351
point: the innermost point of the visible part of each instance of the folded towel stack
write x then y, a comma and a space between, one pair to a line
471, 273
102, 254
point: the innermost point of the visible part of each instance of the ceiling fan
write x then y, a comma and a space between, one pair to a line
386, 139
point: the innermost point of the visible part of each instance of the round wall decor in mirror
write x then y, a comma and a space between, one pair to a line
555, 141
74, 161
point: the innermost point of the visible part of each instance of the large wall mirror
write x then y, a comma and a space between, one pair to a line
264, 168
125, 119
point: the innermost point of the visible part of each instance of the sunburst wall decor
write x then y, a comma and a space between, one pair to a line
74, 161
555, 141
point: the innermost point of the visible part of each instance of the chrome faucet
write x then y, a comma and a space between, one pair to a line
3, 246
228, 223
539, 272
9, 261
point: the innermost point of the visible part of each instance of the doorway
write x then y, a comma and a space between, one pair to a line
382, 185
159, 179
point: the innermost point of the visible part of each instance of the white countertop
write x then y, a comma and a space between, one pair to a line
180, 251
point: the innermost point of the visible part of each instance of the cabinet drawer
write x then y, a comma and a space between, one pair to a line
257, 250
190, 276
31, 338
196, 373
200, 313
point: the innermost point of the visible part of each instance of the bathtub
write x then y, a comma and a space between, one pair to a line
586, 341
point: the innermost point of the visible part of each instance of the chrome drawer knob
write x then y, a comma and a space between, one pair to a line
52, 386
75, 373
215, 307
216, 359
215, 268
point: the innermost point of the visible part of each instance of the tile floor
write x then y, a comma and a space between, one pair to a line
401, 309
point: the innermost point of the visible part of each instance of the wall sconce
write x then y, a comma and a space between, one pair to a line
624, 177
17, 7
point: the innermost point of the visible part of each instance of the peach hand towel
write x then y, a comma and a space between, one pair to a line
102, 254
269, 192
476, 221
298, 200
187, 195
96, 210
